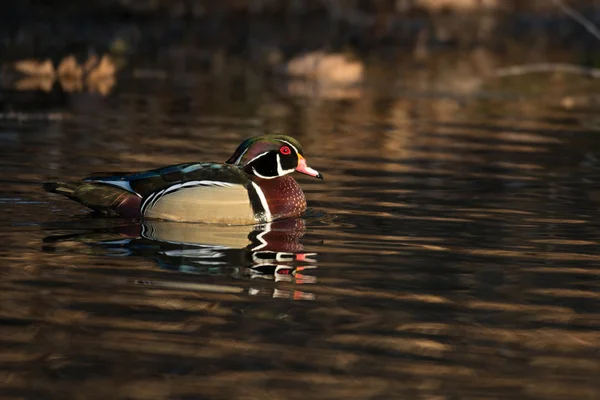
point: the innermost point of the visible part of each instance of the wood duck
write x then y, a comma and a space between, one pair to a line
252, 186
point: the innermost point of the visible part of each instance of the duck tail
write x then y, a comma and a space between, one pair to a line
61, 187
100, 197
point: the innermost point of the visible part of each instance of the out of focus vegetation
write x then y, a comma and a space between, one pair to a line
83, 45
250, 26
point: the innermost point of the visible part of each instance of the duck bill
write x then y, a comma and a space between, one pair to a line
306, 170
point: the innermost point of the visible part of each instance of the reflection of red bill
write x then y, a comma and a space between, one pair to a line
306, 170
298, 295
302, 279
305, 257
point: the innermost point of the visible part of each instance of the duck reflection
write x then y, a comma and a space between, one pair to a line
266, 252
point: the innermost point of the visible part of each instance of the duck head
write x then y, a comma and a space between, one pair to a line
271, 156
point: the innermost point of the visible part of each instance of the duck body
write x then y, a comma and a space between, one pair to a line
253, 186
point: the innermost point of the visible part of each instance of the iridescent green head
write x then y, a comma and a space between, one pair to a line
271, 156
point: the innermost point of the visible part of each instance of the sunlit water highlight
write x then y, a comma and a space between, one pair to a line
450, 253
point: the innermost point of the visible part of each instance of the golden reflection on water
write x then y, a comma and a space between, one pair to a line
454, 237
269, 252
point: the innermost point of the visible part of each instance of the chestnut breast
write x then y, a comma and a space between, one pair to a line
284, 196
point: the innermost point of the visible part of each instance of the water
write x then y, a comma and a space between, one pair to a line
451, 251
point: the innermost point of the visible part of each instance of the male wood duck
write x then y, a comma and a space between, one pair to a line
252, 186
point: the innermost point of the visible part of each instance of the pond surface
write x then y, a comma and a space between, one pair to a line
451, 251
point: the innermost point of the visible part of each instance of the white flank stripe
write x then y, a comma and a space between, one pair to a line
146, 202
263, 201
197, 183
156, 196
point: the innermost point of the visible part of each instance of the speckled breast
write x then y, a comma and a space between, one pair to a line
284, 196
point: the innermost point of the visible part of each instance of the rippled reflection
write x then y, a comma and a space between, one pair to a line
456, 240
270, 252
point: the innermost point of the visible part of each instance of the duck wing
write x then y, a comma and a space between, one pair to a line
147, 182
193, 192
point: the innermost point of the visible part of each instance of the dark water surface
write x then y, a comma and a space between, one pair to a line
451, 251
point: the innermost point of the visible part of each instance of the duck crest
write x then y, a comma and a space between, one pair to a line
284, 196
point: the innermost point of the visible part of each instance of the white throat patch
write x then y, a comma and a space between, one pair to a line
280, 170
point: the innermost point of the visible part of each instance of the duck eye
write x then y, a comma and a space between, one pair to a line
285, 150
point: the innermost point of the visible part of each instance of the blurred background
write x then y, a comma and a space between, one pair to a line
334, 41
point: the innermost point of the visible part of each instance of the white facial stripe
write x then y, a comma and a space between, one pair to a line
257, 157
289, 144
263, 202
240, 157
262, 176
280, 170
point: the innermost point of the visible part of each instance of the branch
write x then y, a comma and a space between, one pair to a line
577, 16
547, 67
562, 68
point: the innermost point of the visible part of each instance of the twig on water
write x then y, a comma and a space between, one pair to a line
547, 67
561, 68
577, 16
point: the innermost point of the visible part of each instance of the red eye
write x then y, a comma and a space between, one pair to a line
285, 150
